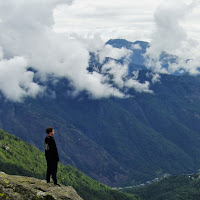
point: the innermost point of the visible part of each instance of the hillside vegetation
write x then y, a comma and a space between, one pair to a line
181, 187
20, 158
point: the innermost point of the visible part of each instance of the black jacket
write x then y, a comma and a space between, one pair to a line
51, 152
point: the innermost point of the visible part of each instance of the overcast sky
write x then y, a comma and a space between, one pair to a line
128, 19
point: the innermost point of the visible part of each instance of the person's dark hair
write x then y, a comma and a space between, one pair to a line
49, 130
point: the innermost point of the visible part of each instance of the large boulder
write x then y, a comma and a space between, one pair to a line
14, 187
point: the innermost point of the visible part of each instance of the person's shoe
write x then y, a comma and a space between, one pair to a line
57, 185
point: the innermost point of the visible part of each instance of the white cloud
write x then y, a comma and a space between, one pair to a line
119, 77
118, 71
136, 46
97, 45
155, 77
171, 36
31, 42
28, 39
168, 34
15, 81
139, 87
115, 53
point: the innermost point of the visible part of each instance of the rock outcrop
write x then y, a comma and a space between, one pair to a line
14, 187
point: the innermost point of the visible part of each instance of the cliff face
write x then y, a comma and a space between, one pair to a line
22, 188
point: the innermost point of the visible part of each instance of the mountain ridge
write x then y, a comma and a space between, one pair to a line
105, 138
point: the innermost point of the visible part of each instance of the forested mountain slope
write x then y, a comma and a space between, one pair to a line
117, 141
20, 158
182, 187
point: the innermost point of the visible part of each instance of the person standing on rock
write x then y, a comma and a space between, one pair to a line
51, 155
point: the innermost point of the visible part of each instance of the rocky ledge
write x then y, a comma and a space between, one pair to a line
14, 187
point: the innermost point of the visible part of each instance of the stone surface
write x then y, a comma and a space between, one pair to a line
14, 187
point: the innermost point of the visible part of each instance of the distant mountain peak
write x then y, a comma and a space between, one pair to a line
119, 43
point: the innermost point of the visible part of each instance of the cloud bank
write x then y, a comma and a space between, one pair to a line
27, 39
171, 37
15, 80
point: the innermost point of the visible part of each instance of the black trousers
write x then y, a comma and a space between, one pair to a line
52, 167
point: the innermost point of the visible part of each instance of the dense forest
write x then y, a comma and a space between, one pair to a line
181, 187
